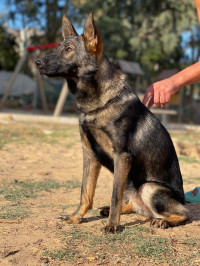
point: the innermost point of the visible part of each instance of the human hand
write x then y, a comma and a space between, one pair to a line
160, 93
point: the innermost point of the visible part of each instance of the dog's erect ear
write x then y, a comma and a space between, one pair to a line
67, 27
93, 42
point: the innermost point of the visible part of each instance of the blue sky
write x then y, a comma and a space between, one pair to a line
18, 23
3, 11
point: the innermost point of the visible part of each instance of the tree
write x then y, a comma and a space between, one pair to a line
146, 31
43, 14
8, 55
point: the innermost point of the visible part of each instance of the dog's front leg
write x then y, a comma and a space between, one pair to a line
91, 168
122, 165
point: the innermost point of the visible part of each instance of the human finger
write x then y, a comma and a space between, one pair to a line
162, 98
168, 97
147, 95
156, 99
150, 102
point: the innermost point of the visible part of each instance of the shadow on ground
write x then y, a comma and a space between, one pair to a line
193, 211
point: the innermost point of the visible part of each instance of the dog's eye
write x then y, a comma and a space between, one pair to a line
68, 49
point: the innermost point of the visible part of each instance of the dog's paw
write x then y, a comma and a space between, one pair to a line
160, 223
104, 211
111, 229
71, 219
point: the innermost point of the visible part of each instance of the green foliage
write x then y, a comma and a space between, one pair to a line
145, 31
43, 14
8, 55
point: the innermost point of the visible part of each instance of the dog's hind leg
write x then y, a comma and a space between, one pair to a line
166, 210
170, 220
126, 209
133, 204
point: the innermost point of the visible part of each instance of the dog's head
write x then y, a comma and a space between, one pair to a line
76, 55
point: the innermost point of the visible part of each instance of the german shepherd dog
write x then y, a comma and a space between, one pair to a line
118, 132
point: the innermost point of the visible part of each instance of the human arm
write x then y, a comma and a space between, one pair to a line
197, 4
160, 93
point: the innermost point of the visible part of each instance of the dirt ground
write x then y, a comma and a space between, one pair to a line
40, 178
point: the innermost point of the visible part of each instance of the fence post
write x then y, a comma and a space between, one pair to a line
13, 78
61, 99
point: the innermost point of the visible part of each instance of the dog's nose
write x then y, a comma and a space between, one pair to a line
38, 62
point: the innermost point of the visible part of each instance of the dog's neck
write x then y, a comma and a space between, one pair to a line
94, 90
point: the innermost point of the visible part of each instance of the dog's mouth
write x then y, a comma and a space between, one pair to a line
41, 70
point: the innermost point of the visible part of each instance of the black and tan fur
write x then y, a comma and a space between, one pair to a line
118, 132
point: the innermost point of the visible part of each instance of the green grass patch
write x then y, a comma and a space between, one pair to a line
7, 137
26, 189
191, 180
188, 159
65, 207
18, 190
131, 242
191, 137
155, 247
10, 212
60, 254
75, 183
69, 145
23, 133
48, 206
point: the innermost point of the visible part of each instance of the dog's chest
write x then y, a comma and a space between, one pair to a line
98, 135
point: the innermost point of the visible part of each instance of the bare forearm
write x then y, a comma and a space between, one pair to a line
187, 76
